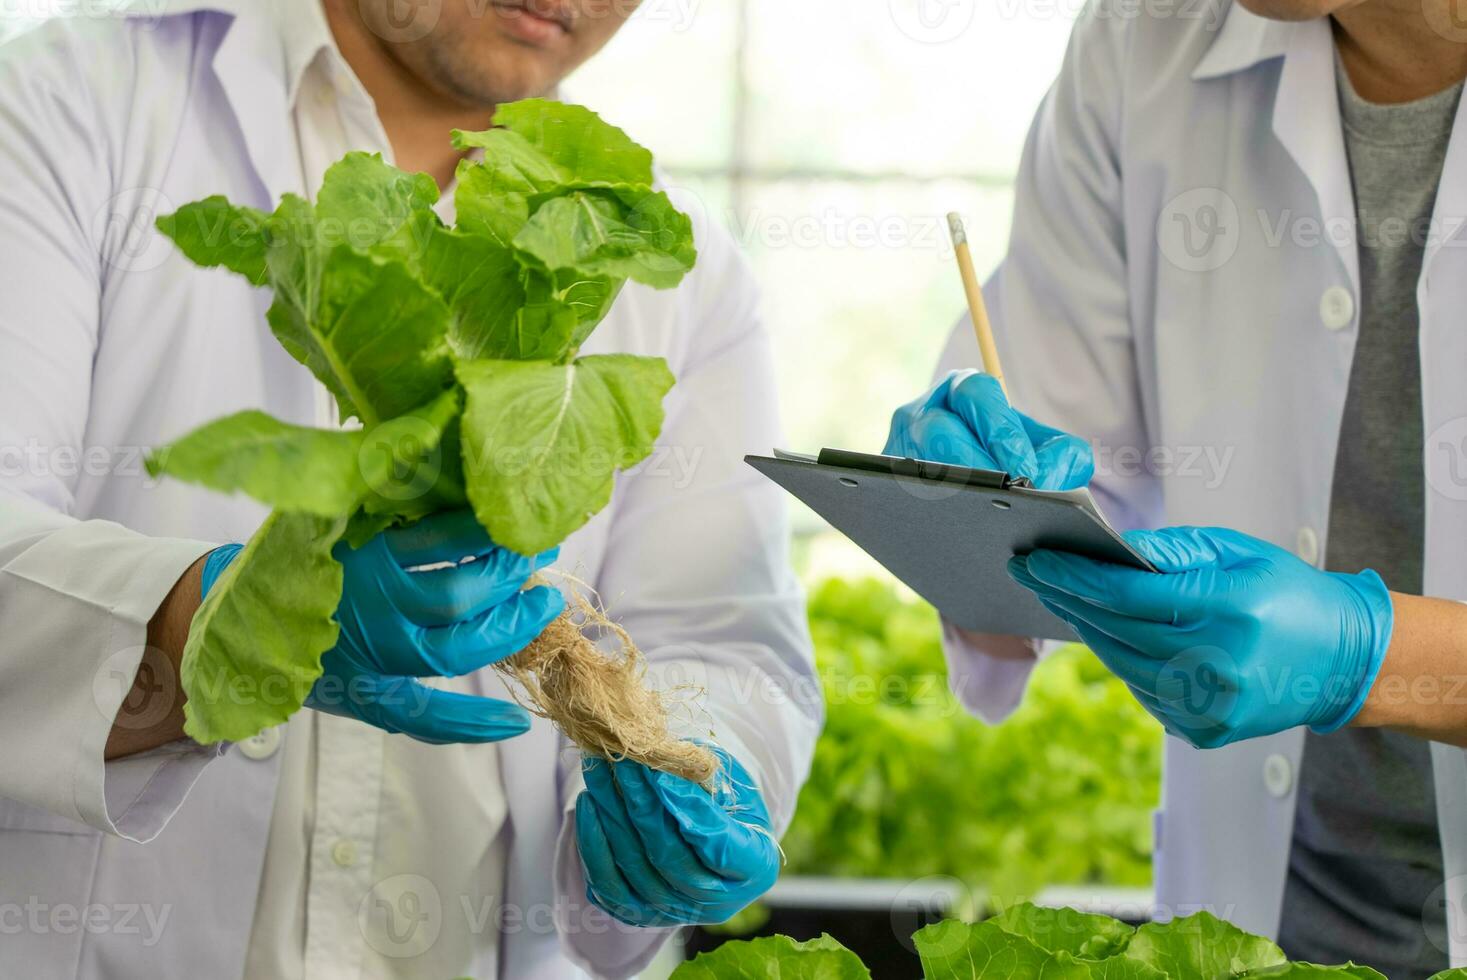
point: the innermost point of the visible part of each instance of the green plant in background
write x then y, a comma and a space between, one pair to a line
906, 783
1029, 942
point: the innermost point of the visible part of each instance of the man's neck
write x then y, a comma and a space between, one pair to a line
417, 118
1394, 51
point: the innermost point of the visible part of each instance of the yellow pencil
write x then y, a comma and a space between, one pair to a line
981, 326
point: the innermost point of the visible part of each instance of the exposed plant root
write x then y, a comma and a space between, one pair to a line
599, 699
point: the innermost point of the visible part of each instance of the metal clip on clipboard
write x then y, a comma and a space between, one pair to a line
921, 469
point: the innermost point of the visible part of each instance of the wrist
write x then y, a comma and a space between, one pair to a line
1422, 688
152, 714
1367, 624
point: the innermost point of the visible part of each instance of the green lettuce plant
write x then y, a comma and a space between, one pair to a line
454, 351
1061, 793
1028, 942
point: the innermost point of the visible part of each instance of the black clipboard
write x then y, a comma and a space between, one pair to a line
948, 531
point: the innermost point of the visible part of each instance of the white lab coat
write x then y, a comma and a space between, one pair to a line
1237, 342
111, 342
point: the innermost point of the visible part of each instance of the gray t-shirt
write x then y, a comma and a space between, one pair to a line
1366, 854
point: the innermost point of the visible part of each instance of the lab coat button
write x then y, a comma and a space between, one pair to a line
1307, 545
1278, 776
344, 853
1337, 308
262, 746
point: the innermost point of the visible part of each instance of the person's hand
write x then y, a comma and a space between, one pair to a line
399, 625
1234, 638
661, 851
967, 421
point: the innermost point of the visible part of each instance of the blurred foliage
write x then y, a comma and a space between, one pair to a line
907, 784
744, 923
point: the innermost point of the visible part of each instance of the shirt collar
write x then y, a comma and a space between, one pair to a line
300, 24
264, 49
306, 36
1246, 40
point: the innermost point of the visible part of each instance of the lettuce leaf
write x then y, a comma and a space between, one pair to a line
1313, 971
365, 325
1120, 968
493, 196
590, 297
290, 467
586, 149
483, 285
254, 647
543, 441
214, 233
373, 333
572, 194
363, 200
650, 242
326, 472
775, 958
410, 464
1204, 946
1080, 933
954, 950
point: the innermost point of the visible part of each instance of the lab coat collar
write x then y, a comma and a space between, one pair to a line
1306, 120
252, 67
306, 36
266, 49
1306, 108
1449, 221
1245, 40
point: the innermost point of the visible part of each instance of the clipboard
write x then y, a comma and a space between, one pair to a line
949, 531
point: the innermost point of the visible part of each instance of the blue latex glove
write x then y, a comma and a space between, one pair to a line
660, 851
1233, 639
399, 625
966, 420
214, 565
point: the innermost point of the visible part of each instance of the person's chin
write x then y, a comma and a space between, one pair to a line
525, 76
509, 72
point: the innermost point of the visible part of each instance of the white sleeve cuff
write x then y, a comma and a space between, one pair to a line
987, 686
75, 601
144, 791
